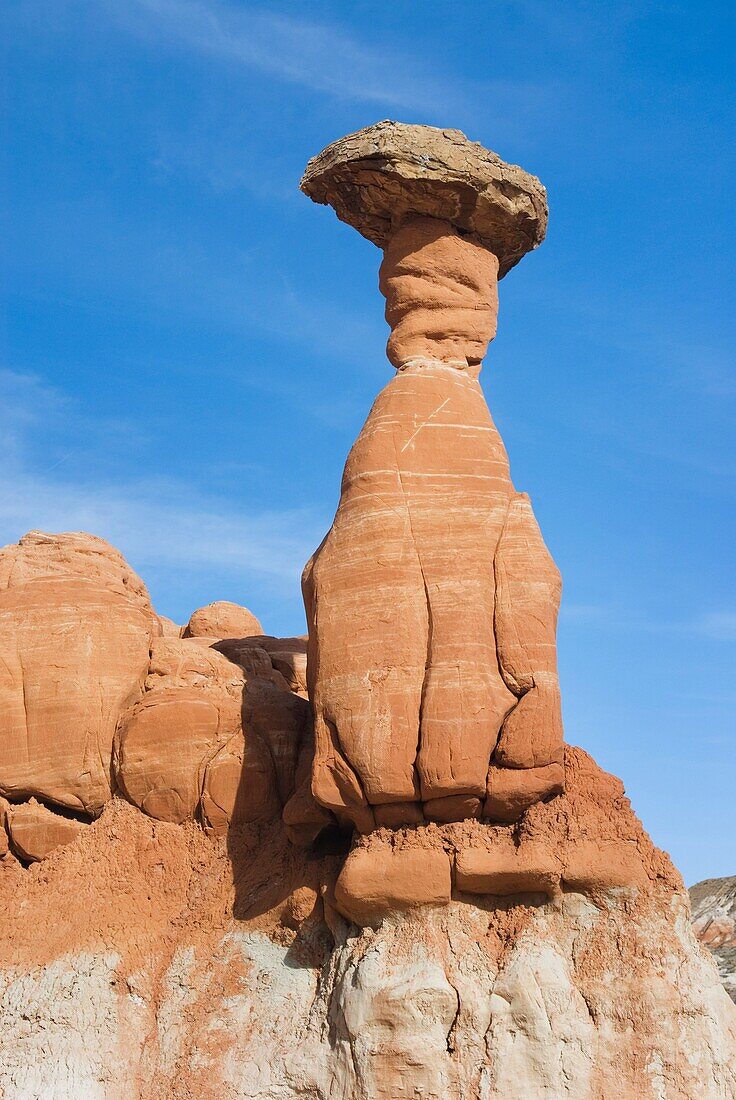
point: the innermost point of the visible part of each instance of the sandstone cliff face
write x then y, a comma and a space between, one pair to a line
180, 945
146, 985
362, 865
76, 627
714, 922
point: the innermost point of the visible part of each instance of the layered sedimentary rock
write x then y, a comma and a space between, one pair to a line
432, 603
498, 926
714, 923
76, 627
100, 695
145, 985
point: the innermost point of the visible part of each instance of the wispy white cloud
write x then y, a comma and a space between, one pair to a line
155, 522
318, 56
719, 626
321, 57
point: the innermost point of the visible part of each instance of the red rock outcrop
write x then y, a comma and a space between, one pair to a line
432, 602
191, 709
76, 627
89, 668
216, 735
587, 840
222, 619
36, 831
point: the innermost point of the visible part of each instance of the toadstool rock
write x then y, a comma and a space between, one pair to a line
432, 602
374, 178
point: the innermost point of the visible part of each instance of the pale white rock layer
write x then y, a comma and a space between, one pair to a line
422, 1007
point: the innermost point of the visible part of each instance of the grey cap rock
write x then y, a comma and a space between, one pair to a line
378, 176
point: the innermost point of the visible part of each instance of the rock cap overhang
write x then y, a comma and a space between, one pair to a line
377, 176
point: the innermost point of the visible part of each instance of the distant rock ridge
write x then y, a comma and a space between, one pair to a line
714, 922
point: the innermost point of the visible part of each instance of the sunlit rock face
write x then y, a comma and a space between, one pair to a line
147, 985
432, 603
362, 865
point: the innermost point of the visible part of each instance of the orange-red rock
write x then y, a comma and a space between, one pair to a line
432, 602
441, 296
222, 619
70, 554
303, 817
35, 831
169, 628
368, 888
279, 719
289, 657
239, 784
507, 869
511, 791
4, 807
186, 742
76, 626
163, 746
404, 712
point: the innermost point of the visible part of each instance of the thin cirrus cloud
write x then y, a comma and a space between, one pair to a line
318, 56
154, 521
163, 525
717, 626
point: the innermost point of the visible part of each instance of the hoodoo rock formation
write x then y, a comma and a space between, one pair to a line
432, 603
362, 864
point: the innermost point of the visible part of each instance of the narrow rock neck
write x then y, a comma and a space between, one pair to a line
441, 294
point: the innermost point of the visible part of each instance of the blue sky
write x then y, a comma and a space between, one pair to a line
190, 346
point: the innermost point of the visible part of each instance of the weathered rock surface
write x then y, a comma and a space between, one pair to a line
432, 602
377, 176
164, 742
714, 923
214, 736
289, 657
70, 554
88, 666
35, 831
76, 627
404, 713
145, 985
441, 296
587, 840
222, 619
